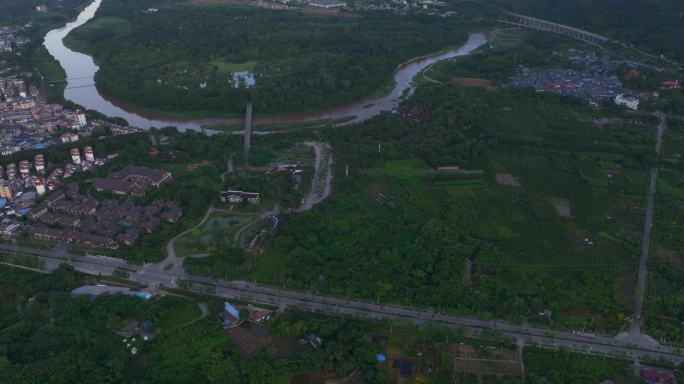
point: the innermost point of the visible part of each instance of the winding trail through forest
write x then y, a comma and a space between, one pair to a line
321, 182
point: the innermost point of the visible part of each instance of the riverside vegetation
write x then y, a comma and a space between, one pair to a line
168, 61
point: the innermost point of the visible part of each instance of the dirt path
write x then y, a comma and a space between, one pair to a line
230, 168
634, 335
321, 182
204, 308
171, 257
648, 222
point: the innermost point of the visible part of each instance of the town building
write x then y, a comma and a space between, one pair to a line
229, 315
81, 118
671, 84
630, 102
24, 167
652, 375
11, 171
326, 4
89, 155
39, 186
6, 191
68, 137
132, 180
39, 163
72, 217
76, 156
233, 196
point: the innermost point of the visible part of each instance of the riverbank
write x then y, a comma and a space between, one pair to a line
281, 127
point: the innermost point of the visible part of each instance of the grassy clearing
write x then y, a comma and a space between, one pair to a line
507, 37
415, 170
560, 367
227, 67
219, 227
178, 315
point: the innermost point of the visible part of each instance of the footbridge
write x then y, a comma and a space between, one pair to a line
528, 22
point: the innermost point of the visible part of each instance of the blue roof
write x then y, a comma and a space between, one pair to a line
380, 357
144, 295
233, 312
28, 195
3, 202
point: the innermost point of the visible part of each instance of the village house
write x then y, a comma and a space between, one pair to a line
233, 196
132, 180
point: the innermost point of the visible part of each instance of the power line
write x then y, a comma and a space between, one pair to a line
80, 86
72, 78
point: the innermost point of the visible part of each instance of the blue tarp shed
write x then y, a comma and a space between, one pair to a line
144, 295
233, 312
229, 315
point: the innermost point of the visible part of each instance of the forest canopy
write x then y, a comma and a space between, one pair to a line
169, 60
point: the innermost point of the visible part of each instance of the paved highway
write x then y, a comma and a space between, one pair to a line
249, 291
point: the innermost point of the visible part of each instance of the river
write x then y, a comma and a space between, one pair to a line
80, 72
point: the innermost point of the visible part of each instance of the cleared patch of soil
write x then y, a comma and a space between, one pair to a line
563, 207
378, 192
474, 82
601, 122
246, 342
670, 256
192, 167
507, 179
625, 289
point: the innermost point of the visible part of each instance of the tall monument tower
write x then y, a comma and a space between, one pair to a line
248, 128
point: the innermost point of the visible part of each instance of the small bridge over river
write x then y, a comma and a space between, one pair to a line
522, 21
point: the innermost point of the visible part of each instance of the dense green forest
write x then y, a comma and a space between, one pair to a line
21, 12
181, 58
465, 242
654, 26
47, 336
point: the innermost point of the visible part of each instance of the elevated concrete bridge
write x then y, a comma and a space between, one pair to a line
528, 22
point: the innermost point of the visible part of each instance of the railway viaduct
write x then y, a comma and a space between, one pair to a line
523, 21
